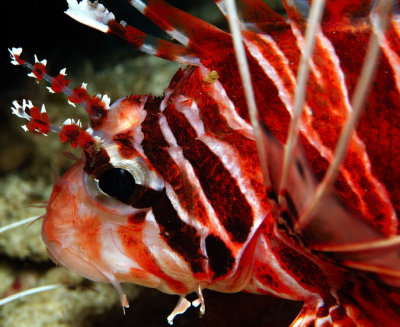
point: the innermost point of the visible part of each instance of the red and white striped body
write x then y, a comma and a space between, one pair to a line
200, 215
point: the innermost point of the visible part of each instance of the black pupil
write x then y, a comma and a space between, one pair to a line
117, 182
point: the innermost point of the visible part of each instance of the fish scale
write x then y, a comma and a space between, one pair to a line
194, 155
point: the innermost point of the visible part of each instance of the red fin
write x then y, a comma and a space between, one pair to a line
318, 313
350, 240
369, 303
341, 11
190, 31
152, 45
363, 303
253, 11
97, 16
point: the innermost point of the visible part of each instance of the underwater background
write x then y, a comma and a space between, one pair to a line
109, 66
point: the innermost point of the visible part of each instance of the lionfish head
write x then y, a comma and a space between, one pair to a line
106, 197
100, 221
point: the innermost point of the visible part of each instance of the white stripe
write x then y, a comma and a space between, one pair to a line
187, 170
169, 261
307, 131
226, 107
229, 158
177, 35
188, 107
357, 142
301, 43
232, 162
285, 95
391, 55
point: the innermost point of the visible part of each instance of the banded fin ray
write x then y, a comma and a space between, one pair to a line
97, 16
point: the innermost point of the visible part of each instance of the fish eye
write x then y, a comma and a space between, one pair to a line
119, 183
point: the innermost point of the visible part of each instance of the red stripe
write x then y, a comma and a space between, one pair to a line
180, 236
221, 189
155, 148
378, 128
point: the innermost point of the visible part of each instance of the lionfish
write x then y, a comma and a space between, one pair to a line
268, 166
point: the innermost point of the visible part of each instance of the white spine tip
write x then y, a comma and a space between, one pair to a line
90, 131
13, 53
71, 103
106, 99
29, 104
19, 110
68, 121
43, 62
16, 104
63, 71
91, 14
49, 89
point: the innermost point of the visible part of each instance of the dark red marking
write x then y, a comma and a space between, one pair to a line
18, 59
39, 70
96, 164
291, 205
79, 95
272, 195
256, 11
155, 148
219, 186
96, 158
128, 33
338, 314
40, 121
125, 145
137, 38
78, 137
137, 218
219, 256
97, 111
307, 273
181, 237
378, 128
59, 83
346, 11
